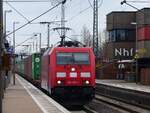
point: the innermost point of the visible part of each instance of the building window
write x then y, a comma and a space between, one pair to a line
112, 35
118, 35
121, 35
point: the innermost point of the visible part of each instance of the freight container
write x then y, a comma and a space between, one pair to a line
22, 67
130, 76
120, 20
36, 66
144, 47
142, 17
28, 67
103, 73
142, 76
144, 63
144, 33
119, 50
19, 65
145, 76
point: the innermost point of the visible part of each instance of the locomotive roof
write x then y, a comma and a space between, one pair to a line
77, 49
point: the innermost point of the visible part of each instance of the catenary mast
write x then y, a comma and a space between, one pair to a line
95, 27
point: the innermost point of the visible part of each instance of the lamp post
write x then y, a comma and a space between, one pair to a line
1, 43
8, 37
48, 30
39, 40
31, 47
136, 50
26, 48
136, 25
14, 23
5, 20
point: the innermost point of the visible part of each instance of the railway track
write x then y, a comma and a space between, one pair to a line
107, 104
133, 97
78, 111
127, 108
102, 104
122, 99
84, 109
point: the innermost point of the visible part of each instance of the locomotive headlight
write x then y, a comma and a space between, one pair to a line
58, 82
73, 69
60, 74
85, 74
87, 82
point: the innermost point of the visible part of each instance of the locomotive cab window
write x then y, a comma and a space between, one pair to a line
73, 58
81, 58
64, 58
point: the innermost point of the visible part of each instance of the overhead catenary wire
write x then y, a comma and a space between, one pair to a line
28, 1
98, 5
32, 37
82, 11
25, 41
141, 1
133, 7
79, 13
34, 19
18, 12
90, 4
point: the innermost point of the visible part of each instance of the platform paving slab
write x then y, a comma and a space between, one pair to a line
17, 100
25, 98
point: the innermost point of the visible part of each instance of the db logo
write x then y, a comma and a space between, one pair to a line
37, 60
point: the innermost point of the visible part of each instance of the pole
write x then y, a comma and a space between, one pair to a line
5, 21
5, 24
40, 42
48, 33
63, 23
1, 38
33, 46
36, 45
136, 40
4, 39
30, 49
95, 27
48, 30
63, 19
14, 82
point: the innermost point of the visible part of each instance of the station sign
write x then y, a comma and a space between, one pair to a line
124, 52
119, 50
10, 50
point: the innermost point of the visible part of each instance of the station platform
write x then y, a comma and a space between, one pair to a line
125, 85
25, 98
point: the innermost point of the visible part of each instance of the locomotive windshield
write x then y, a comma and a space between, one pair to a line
73, 58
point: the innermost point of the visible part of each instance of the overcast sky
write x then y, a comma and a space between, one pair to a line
76, 17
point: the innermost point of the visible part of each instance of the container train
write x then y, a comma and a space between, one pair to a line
67, 73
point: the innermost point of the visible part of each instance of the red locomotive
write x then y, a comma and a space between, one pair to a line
69, 73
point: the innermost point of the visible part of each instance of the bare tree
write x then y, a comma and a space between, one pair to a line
86, 36
103, 38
